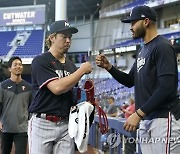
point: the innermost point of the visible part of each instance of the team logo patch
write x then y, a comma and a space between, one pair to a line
66, 24
23, 88
9, 87
142, 15
140, 63
130, 13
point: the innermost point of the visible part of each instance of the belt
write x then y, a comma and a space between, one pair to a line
51, 118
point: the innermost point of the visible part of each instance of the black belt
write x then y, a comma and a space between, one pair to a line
52, 118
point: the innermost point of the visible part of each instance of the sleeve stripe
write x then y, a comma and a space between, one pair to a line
45, 83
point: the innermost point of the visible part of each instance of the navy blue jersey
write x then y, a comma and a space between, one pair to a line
154, 75
46, 68
155, 59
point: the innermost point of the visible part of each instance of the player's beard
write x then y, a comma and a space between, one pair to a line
139, 33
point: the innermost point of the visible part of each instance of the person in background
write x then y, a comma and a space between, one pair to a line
15, 98
112, 109
130, 109
155, 77
104, 102
53, 78
97, 101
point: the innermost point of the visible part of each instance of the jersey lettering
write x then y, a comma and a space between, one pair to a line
60, 73
66, 73
140, 63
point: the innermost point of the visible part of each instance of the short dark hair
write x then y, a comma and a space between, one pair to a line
12, 59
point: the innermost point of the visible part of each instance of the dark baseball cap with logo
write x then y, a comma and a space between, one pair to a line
141, 12
60, 26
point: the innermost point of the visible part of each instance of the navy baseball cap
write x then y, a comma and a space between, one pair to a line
60, 26
141, 12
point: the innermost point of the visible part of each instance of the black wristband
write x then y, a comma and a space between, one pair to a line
140, 116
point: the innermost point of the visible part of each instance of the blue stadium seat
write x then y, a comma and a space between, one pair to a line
33, 45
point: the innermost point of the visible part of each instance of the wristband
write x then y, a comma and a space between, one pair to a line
140, 116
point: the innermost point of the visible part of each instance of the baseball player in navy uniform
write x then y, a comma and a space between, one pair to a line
154, 75
53, 77
15, 97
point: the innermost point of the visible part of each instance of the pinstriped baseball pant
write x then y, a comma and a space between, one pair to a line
160, 136
46, 137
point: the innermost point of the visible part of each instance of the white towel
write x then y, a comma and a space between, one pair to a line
73, 121
79, 124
